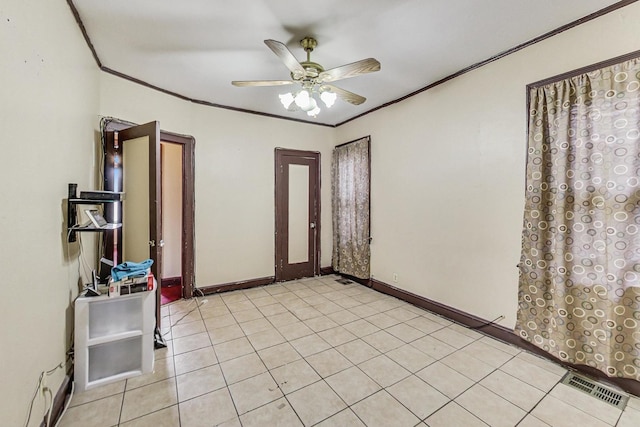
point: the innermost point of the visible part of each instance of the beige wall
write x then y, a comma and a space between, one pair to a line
48, 117
447, 179
171, 210
448, 171
234, 182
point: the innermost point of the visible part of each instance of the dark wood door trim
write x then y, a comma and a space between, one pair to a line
282, 158
188, 208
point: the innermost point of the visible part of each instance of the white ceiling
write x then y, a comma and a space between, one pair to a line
195, 48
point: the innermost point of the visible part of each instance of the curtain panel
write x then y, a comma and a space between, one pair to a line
350, 208
579, 287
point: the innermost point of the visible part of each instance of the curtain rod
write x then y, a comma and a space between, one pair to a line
587, 69
355, 140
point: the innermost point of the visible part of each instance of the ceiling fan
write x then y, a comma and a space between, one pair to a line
313, 79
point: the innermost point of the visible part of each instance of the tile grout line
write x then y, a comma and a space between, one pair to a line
323, 379
316, 333
175, 371
527, 413
284, 395
382, 388
530, 412
154, 382
219, 363
457, 404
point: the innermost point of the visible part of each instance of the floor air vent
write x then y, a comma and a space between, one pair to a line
596, 390
344, 281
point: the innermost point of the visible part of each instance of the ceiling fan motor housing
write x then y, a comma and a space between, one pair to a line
312, 69
308, 44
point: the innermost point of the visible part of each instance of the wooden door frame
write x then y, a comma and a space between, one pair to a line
281, 207
188, 208
109, 128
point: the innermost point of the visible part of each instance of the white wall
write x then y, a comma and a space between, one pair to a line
48, 117
234, 182
448, 171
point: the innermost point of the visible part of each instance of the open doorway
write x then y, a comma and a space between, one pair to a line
171, 178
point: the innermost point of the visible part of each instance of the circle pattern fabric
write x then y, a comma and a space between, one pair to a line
350, 208
579, 290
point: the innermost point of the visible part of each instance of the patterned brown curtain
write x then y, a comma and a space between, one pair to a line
579, 292
350, 208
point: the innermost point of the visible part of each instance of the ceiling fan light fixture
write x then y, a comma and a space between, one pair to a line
303, 100
313, 105
286, 99
312, 108
314, 112
329, 98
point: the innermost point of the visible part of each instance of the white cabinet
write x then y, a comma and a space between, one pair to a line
113, 338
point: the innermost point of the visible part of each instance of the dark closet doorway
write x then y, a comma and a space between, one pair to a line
115, 149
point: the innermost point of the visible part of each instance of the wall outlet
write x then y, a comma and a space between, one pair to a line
395, 277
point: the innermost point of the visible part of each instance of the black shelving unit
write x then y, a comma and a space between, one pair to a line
72, 212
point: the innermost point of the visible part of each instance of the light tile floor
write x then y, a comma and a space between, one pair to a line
316, 352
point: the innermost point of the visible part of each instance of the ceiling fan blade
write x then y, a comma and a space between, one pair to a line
357, 68
287, 57
345, 95
246, 83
